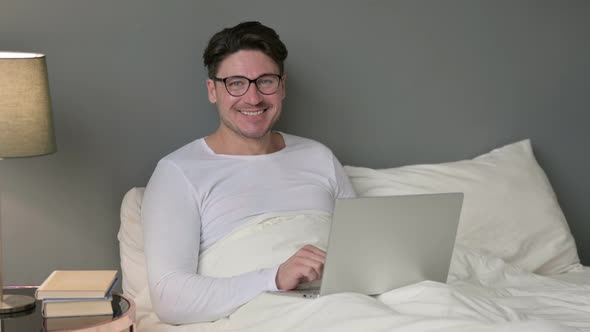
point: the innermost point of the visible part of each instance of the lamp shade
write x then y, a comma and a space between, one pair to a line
26, 123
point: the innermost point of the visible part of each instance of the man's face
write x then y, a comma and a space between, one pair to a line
253, 114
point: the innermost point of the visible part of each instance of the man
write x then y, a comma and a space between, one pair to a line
204, 190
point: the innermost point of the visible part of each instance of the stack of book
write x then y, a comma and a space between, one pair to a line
80, 295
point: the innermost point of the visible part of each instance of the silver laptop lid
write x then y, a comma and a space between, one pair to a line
380, 243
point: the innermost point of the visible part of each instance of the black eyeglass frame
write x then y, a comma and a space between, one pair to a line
224, 80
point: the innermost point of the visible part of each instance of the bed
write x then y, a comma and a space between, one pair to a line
515, 265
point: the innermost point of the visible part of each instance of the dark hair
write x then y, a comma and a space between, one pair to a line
244, 36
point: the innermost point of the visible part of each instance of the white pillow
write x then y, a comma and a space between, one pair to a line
509, 209
131, 244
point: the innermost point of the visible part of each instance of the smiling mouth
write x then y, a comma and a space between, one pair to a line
253, 113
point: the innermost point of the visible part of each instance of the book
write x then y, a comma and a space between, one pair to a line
77, 284
69, 308
73, 323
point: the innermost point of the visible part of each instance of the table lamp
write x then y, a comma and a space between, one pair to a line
26, 129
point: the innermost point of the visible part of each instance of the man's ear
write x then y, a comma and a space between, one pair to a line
211, 92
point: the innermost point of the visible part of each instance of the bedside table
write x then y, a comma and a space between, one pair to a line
123, 318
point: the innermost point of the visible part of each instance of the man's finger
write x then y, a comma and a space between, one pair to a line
316, 266
314, 249
312, 260
317, 254
309, 274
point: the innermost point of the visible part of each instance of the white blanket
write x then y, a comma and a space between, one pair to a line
483, 293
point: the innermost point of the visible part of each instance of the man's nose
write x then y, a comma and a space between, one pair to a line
253, 96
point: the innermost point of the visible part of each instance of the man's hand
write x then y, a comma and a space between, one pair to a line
307, 264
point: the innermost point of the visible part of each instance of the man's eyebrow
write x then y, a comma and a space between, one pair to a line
248, 77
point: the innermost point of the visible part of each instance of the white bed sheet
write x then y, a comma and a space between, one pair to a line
484, 293
576, 277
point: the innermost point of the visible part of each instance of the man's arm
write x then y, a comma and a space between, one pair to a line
172, 227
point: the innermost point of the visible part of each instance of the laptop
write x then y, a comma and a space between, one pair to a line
377, 244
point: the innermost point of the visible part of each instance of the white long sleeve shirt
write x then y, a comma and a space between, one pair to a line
195, 197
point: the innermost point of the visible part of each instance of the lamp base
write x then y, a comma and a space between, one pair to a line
15, 303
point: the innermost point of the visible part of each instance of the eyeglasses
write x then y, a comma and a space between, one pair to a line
237, 86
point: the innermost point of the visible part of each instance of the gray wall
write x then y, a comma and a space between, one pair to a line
384, 83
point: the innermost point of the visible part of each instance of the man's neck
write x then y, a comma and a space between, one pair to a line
234, 144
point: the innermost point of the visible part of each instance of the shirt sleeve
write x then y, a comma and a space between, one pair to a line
344, 187
172, 230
